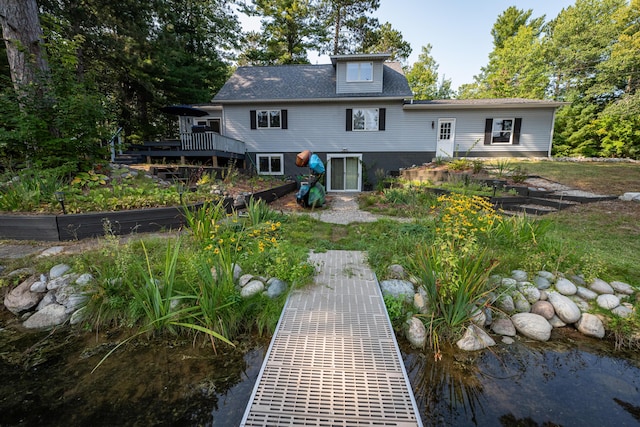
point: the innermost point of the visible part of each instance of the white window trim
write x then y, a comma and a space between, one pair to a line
353, 120
359, 79
269, 156
453, 129
513, 123
268, 119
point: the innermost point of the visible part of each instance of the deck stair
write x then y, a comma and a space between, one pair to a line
334, 360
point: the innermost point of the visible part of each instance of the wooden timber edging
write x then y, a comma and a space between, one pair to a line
95, 224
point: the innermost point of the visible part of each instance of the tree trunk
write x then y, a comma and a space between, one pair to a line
23, 38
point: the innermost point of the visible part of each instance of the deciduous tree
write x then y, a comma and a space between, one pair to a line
423, 78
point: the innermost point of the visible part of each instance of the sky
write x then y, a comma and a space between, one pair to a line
459, 31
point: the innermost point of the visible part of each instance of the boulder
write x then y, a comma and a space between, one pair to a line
519, 275
544, 309
475, 338
590, 325
61, 281
566, 287
21, 298
546, 275
416, 332
49, 298
275, 287
607, 301
521, 303
503, 327
541, 282
244, 279
586, 294
505, 303
396, 271
252, 288
50, 316
565, 309
601, 287
420, 303
52, 251
39, 286
532, 326
621, 287
478, 317
84, 279
582, 304
622, 311
630, 196
508, 282
556, 322
398, 289
578, 279
58, 270
530, 292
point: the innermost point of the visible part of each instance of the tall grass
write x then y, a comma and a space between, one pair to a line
29, 190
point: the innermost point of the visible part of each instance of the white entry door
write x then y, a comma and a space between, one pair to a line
446, 138
343, 172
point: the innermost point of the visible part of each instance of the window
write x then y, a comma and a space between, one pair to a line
270, 164
502, 131
268, 119
366, 119
359, 71
446, 128
211, 125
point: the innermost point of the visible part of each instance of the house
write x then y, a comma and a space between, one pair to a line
357, 114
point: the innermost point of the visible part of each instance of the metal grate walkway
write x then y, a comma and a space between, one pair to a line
334, 360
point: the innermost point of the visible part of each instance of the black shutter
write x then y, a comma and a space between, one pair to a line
382, 119
488, 124
252, 115
283, 119
349, 119
516, 131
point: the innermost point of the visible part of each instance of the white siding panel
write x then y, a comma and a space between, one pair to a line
322, 128
342, 86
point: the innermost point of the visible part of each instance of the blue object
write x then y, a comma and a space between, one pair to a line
316, 164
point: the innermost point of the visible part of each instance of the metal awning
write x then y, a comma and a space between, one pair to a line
184, 110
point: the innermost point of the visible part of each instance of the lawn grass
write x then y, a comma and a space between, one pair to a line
600, 177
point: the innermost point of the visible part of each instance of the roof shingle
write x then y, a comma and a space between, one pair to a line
302, 82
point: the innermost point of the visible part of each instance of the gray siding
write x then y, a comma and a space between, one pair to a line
409, 138
535, 134
342, 86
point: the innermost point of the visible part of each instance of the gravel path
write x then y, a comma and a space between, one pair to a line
558, 188
342, 208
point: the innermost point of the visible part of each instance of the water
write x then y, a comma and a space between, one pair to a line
537, 384
46, 379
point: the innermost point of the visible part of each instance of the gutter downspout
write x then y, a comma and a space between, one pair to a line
553, 125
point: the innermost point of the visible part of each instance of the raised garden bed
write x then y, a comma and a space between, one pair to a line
94, 224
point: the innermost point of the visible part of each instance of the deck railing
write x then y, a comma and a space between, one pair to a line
207, 141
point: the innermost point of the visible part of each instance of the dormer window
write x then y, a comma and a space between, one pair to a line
359, 71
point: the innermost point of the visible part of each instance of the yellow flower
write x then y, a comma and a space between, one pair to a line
221, 241
273, 240
216, 251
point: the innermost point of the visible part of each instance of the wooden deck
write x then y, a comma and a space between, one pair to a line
334, 360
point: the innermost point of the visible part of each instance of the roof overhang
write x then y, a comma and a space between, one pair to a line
481, 104
360, 57
398, 99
